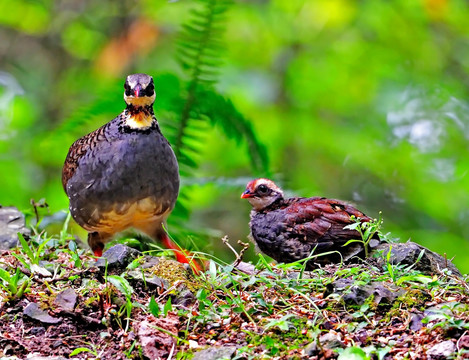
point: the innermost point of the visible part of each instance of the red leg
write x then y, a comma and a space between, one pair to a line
183, 256
96, 242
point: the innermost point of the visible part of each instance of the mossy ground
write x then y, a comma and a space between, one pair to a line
272, 311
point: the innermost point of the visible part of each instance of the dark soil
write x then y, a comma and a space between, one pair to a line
269, 312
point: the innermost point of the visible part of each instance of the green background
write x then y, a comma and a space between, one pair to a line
365, 101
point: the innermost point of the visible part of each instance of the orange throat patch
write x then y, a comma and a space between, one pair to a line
139, 114
140, 120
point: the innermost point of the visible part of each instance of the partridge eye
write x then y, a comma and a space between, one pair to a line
127, 89
150, 89
262, 189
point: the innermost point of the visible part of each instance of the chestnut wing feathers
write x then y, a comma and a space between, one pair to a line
317, 220
78, 149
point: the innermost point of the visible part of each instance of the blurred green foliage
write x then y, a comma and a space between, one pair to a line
363, 101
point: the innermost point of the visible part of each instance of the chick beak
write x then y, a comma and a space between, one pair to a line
247, 194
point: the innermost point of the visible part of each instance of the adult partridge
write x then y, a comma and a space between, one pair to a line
291, 229
125, 173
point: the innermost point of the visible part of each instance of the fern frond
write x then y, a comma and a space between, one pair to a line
223, 113
199, 52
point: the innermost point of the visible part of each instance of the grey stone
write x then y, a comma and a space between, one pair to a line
358, 294
408, 254
444, 310
117, 258
149, 261
311, 349
246, 268
416, 321
184, 298
330, 341
38, 331
11, 223
441, 350
148, 279
34, 312
215, 353
66, 299
40, 357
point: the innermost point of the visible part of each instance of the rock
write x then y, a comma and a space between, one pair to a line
40, 357
441, 350
162, 273
149, 261
175, 273
311, 349
148, 279
193, 344
39, 270
146, 276
444, 310
157, 335
34, 312
117, 258
184, 298
331, 340
215, 353
11, 223
38, 331
358, 294
416, 321
463, 342
246, 268
56, 344
66, 299
328, 341
408, 254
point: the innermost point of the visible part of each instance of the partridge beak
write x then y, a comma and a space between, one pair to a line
137, 90
246, 194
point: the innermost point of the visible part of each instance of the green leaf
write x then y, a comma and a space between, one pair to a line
282, 323
134, 264
167, 307
423, 279
352, 241
5, 275
212, 269
80, 350
353, 226
26, 248
154, 307
201, 294
121, 284
63, 232
72, 245
366, 234
353, 353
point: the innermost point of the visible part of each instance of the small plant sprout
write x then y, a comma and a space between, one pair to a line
14, 286
366, 230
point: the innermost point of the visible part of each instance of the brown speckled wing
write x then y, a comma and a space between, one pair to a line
321, 220
78, 149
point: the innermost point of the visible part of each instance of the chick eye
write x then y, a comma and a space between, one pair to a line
262, 189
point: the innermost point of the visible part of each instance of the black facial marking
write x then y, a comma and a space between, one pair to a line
150, 90
127, 89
